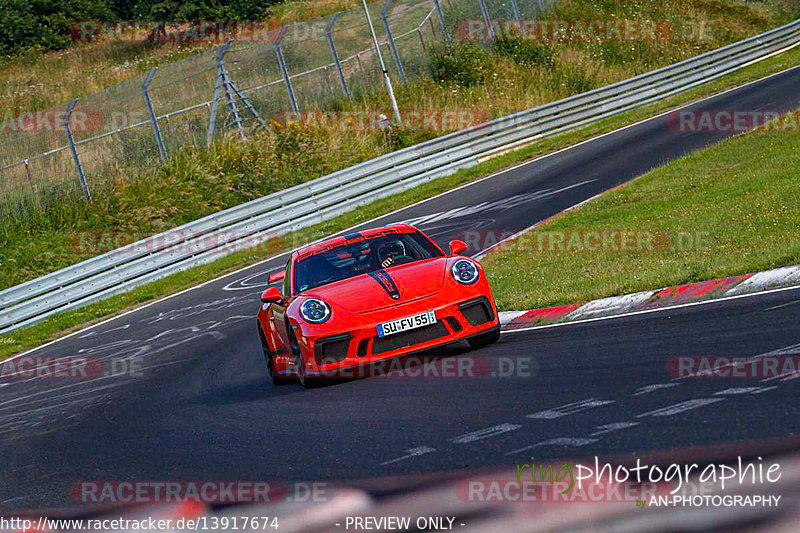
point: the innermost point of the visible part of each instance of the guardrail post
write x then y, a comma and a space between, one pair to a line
335, 54
153, 118
440, 16
384, 15
282, 63
487, 20
74, 150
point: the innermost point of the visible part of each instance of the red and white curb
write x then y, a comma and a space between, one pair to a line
641, 301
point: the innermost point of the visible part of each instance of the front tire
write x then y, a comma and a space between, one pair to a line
270, 360
301, 363
484, 339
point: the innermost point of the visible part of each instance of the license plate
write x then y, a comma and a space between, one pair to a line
407, 323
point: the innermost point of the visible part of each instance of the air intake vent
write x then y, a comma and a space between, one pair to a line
331, 349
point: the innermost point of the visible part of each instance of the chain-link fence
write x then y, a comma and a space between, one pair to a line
67, 153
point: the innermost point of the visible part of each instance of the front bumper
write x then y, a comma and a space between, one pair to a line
332, 355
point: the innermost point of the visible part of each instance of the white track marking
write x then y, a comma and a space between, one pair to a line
650, 388
569, 409
680, 407
451, 191
560, 441
741, 390
610, 305
485, 433
413, 452
767, 279
609, 428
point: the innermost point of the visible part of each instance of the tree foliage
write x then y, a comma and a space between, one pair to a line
43, 24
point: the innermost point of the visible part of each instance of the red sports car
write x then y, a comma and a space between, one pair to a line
364, 297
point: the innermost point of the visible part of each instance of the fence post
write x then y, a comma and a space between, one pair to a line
212, 122
487, 20
440, 16
282, 63
74, 150
153, 118
30, 176
227, 84
517, 15
386, 79
384, 15
335, 54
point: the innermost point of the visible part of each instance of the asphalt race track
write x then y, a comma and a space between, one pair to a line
192, 400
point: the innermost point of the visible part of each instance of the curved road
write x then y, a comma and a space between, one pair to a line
189, 399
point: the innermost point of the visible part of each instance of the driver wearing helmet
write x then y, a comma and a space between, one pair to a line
389, 252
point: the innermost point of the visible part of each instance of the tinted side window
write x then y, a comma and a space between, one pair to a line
287, 280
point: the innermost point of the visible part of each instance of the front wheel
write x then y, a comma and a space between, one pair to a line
484, 339
305, 381
270, 360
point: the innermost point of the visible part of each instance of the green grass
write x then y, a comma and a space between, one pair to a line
64, 323
740, 197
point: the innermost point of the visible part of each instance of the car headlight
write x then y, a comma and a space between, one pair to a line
464, 271
315, 311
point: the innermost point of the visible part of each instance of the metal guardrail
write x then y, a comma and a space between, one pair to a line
215, 236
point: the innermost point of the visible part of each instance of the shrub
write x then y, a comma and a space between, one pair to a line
461, 64
525, 51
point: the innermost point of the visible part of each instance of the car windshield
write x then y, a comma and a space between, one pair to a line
362, 257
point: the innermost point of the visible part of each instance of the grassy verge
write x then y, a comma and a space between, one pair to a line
729, 209
64, 323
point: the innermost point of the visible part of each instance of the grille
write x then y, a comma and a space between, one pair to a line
477, 312
331, 349
409, 338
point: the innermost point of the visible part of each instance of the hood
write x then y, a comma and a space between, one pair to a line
369, 292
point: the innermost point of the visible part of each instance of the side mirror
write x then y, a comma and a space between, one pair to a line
275, 277
457, 247
272, 296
